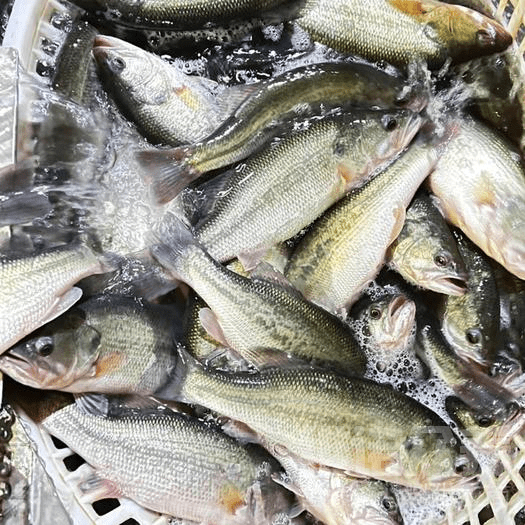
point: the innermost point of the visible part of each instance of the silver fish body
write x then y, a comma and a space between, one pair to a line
480, 186
169, 106
350, 424
336, 498
425, 252
284, 188
255, 315
402, 31
346, 247
174, 465
112, 345
36, 289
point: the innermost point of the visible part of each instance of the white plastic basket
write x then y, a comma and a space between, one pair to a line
30, 23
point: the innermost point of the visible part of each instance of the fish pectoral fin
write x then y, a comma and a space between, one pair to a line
266, 272
211, 324
96, 487
399, 213
232, 97
62, 304
250, 260
240, 431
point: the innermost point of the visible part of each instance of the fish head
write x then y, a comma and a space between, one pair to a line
424, 261
433, 457
372, 138
132, 71
485, 431
363, 502
467, 334
390, 322
55, 356
465, 33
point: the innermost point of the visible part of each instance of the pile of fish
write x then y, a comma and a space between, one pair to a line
280, 271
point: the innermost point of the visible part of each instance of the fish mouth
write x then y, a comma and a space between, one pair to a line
449, 285
17, 367
401, 314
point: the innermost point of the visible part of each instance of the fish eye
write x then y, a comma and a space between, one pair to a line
44, 346
461, 465
117, 64
442, 259
484, 421
389, 504
375, 312
473, 336
389, 123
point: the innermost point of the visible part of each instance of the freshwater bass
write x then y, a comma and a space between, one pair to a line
401, 31
110, 344
425, 252
171, 463
37, 288
480, 186
168, 106
179, 14
260, 314
284, 188
345, 249
470, 322
334, 497
351, 424
301, 92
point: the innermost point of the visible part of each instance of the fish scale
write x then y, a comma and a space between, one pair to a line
45, 278
325, 266
169, 462
365, 430
284, 188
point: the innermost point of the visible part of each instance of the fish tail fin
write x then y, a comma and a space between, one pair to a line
168, 171
185, 367
177, 241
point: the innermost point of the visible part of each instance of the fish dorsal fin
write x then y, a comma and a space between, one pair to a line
266, 272
232, 97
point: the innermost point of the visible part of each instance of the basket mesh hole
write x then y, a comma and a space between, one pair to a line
104, 506
73, 462
58, 444
520, 517
485, 514
131, 521
509, 490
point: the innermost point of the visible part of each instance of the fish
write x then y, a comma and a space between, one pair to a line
269, 106
282, 189
487, 433
181, 14
402, 31
37, 288
334, 497
471, 322
385, 325
325, 266
262, 318
169, 106
108, 344
478, 391
425, 252
479, 183
170, 463
72, 74
351, 424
